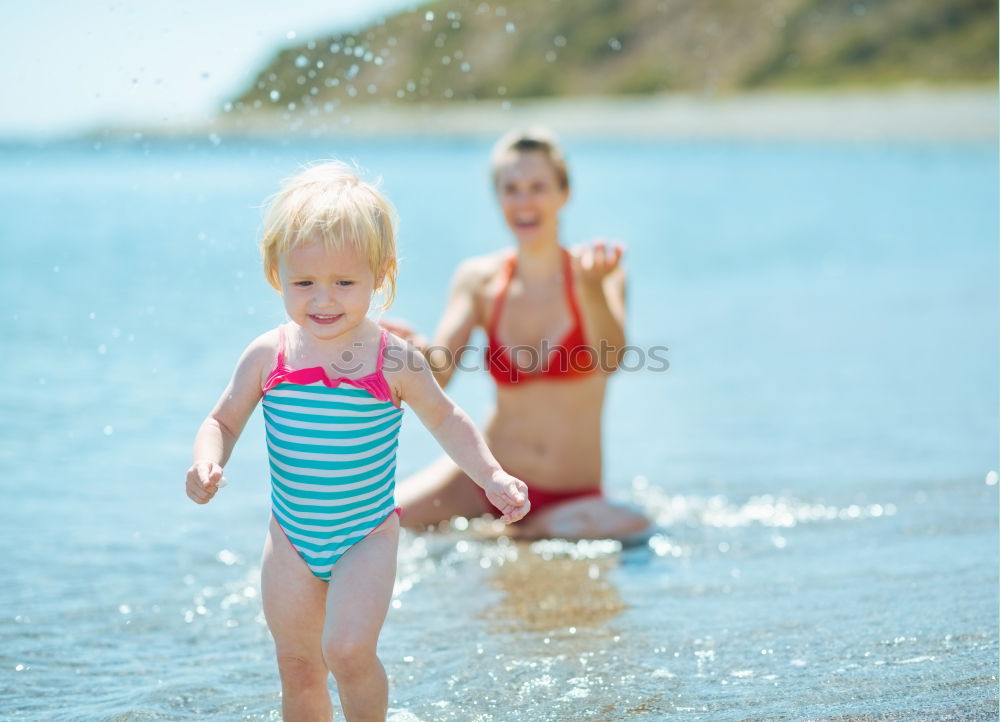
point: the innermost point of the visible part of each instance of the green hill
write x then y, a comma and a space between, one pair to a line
455, 50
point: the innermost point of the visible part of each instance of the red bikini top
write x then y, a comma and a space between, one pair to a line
570, 357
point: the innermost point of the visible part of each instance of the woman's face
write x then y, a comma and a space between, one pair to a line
530, 196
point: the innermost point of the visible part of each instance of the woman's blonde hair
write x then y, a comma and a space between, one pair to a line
531, 140
329, 203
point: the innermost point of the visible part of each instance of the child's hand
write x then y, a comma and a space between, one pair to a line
597, 260
509, 495
204, 479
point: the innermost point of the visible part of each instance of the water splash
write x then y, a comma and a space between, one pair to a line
765, 510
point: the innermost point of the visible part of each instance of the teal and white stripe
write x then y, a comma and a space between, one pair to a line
332, 454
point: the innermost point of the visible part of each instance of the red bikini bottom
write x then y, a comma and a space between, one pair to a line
542, 499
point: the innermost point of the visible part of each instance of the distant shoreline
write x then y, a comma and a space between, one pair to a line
853, 115
969, 113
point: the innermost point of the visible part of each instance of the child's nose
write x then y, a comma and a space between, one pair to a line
324, 294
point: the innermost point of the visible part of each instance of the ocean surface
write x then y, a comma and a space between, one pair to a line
817, 456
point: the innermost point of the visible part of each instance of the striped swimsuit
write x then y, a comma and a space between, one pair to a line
332, 450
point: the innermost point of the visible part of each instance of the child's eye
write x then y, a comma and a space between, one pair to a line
345, 283
302, 284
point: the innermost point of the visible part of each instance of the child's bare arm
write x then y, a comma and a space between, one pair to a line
459, 437
218, 433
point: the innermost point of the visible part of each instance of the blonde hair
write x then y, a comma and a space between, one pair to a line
531, 140
330, 203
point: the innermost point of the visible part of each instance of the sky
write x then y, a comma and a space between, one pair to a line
72, 66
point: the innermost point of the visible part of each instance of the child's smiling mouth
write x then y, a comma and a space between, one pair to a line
325, 318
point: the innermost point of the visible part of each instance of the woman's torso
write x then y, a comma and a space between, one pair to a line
545, 428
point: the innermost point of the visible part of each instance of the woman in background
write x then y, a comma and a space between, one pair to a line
554, 321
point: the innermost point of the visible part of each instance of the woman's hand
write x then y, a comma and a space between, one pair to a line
405, 331
508, 494
596, 260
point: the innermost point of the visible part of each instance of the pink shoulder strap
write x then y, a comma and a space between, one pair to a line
280, 368
381, 350
281, 346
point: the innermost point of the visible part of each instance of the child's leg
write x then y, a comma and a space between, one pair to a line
357, 602
294, 605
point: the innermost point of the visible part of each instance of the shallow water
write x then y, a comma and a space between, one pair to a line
816, 457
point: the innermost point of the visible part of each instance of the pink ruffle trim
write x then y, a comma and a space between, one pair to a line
374, 383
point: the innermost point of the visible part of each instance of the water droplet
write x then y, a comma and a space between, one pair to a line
102, 349
428, 16
559, 41
275, 96
302, 62
124, 609
511, 28
614, 44
992, 478
108, 430
291, 35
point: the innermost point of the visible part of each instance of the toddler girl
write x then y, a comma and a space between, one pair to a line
332, 382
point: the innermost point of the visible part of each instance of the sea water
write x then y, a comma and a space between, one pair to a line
816, 451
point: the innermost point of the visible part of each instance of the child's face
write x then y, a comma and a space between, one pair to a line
327, 292
530, 195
